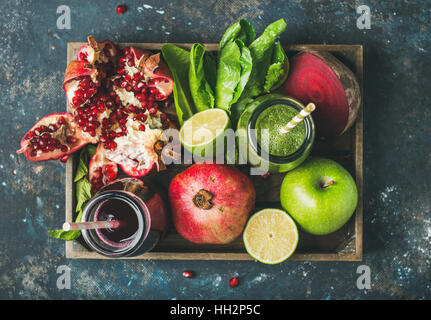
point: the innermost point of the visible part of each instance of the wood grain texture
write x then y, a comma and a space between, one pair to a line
344, 245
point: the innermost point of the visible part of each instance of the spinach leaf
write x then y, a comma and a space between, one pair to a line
278, 70
261, 51
83, 193
200, 89
242, 30
178, 61
84, 160
228, 75
210, 67
246, 63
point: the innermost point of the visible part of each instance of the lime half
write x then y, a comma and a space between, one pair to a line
200, 132
270, 236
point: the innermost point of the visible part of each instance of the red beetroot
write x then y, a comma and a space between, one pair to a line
211, 203
321, 78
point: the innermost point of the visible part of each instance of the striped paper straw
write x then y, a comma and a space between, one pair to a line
67, 226
298, 118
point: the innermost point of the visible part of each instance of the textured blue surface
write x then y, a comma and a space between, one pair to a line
397, 193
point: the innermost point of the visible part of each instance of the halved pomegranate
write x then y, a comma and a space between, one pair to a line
52, 137
101, 170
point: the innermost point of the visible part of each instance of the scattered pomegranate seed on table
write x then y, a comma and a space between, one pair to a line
234, 282
188, 274
266, 175
121, 9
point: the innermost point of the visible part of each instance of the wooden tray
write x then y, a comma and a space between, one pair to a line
343, 245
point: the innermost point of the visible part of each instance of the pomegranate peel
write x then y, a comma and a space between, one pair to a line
101, 52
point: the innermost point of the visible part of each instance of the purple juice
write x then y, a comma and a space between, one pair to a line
116, 209
138, 206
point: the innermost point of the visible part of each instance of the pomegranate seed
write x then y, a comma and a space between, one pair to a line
266, 175
131, 63
142, 127
64, 158
188, 274
152, 111
123, 84
52, 128
37, 131
233, 282
64, 148
121, 9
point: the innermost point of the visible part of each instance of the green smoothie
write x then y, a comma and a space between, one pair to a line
274, 118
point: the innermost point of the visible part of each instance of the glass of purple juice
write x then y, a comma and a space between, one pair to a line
140, 209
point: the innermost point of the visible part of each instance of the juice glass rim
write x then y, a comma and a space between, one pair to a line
139, 207
251, 132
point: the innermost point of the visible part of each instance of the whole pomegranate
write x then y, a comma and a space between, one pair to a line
211, 203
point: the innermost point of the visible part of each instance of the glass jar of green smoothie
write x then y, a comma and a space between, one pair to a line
261, 141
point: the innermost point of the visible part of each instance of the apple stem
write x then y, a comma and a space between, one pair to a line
329, 183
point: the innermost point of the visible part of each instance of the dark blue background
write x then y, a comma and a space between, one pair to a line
397, 157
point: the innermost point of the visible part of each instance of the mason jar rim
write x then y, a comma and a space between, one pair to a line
139, 208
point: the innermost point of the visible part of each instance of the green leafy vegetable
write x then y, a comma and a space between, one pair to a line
83, 193
278, 70
228, 75
261, 51
178, 61
200, 89
84, 160
210, 67
242, 30
246, 67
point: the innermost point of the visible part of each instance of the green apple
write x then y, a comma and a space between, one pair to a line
320, 195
